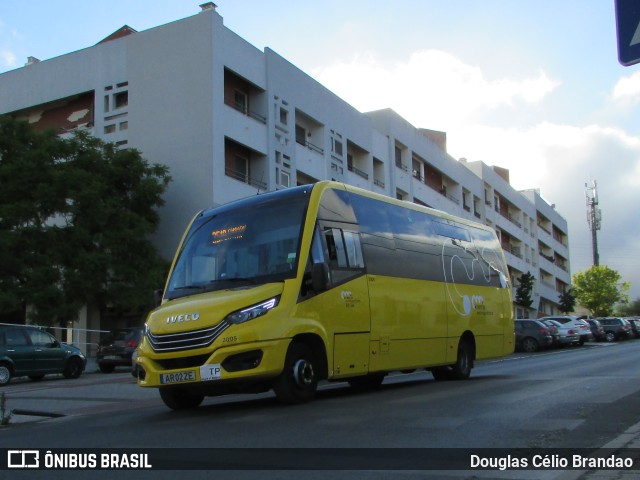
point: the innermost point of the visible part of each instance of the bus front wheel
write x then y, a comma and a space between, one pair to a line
177, 399
298, 381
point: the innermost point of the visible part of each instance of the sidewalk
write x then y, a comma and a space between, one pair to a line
28, 401
630, 439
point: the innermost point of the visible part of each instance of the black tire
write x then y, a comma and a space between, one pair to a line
461, 370
530, 345
73, 368
440, 374
298, 381
5, 374
367, 382
106, 368
36, 378
610, 337
178, 399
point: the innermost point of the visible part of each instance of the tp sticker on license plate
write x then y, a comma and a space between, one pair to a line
210, 372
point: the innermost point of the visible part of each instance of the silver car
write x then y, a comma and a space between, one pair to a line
567, 334
579, 325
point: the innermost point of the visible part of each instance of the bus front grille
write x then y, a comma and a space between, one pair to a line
176, 342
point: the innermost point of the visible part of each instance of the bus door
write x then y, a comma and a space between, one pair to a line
343, 308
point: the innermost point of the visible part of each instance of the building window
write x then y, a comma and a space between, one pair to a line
106, 103
241, 168
284, 116
301, 135
121, 99
109, 129
124, 125
398, 156
240, 101
337, 147
285, 178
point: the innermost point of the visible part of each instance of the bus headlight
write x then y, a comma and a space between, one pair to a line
255, 311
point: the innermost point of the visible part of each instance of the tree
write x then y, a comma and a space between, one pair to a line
631, 309
75, 219
567, 301
524, 290
599, 288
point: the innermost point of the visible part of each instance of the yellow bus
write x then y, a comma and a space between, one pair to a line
324, 282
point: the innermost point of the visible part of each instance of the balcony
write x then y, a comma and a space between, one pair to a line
243, 177
443, 192
359, 172
242, 107
305, 143
244, 96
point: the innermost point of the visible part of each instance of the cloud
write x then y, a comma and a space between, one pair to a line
560, 160
430, 88
627, 89
437, 90
8, 59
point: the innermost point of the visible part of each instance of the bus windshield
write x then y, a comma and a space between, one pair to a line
253, 243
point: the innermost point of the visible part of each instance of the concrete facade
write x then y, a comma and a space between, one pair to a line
231, 121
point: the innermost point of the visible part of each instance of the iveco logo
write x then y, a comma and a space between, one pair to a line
187, 317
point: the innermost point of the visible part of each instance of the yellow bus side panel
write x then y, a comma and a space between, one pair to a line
340, 310
351, 355
482, 311
408, 323
407, 354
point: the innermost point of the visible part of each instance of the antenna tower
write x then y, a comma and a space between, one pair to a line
594, 218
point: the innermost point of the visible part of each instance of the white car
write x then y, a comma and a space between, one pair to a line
568, 334
581, 326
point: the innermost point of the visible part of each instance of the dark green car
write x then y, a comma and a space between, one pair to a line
27, 351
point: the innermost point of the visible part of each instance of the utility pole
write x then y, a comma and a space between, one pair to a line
594, 217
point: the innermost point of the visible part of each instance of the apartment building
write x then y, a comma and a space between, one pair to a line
231, 120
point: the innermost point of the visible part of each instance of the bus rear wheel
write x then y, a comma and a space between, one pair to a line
459, 370
298, 381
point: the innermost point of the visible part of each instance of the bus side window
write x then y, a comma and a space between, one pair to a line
336, 249
317, 256
344, 254
354, 249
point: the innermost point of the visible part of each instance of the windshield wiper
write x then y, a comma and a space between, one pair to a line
250, 281
218, 284
190, 287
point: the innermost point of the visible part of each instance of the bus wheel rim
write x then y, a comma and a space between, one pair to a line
303, 373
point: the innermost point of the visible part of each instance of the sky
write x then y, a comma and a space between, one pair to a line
535, 87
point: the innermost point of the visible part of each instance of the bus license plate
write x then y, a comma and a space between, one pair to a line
178, 377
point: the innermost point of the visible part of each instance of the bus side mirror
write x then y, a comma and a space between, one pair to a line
157, 297
320, 276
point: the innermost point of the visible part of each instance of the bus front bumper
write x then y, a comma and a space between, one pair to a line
244, 363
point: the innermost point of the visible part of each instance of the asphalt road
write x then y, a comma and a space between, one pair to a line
579, 397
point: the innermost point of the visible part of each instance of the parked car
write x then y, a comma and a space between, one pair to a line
116, 349
532, 335
634, 322
577, 323
616, 328
567, 334
596, 329
28, 351
553, 330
